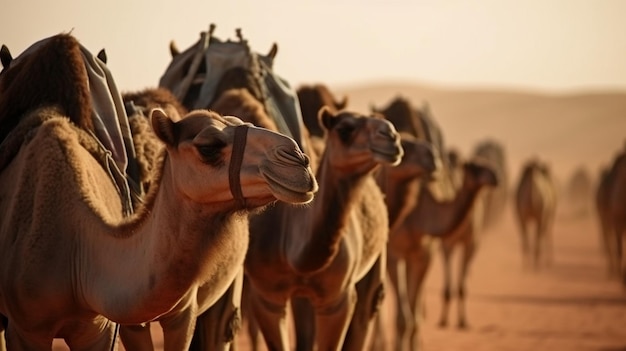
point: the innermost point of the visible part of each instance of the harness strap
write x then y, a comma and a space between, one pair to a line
236, 158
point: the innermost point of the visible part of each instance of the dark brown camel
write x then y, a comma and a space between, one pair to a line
535, 204
611, 208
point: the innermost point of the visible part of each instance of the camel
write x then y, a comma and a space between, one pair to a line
411, 243
494, 199
579, 191
329, 255
611, 209
535, 202
240, 92
312, 98
105, 268
485, 213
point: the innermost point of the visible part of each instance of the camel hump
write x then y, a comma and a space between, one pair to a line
59, 71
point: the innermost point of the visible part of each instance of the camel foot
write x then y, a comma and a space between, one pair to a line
443, 323
462, 325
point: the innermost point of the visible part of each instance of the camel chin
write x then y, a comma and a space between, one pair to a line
389, 157
286, 190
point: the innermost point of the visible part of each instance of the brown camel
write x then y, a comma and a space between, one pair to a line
241, 92
312, 98
48, 162
432, 200
579, 191
611, 208
410, 246
485, 213
330, 253
536, 202
494, 199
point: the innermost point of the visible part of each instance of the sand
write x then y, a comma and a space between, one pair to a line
571, 305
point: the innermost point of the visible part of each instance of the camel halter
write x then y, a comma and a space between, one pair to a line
236, 158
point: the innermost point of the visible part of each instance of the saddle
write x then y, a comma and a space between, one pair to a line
194, 76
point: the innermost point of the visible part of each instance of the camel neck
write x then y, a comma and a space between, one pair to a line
327, 218
140, 269
441, 218
401, 198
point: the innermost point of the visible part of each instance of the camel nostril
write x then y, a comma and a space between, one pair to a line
387, 134
291, 156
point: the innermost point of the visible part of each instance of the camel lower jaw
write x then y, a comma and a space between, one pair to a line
293, 197
287, 192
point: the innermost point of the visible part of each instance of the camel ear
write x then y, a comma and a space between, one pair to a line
325, 118
343, 103
273, 51
102, 55
173, 49
163, 126
5, 56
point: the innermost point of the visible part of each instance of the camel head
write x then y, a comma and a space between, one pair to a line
478, 174
419, 160
216, 159
358, 142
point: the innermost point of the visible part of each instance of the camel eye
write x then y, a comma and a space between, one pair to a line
345, 131
212, 153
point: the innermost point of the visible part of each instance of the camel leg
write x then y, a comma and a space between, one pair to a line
469, 252
525, 244
178, 329
271, 317
216, 328
607, 245
396, 269
417, 269
303, 317
370, 294
540, 239
3, 325
251, 324
136, 337
446, 250
92, 337
333, 318
15, 341
619, 251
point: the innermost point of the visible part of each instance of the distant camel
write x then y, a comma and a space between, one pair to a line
312, 98
332, 252
428, 215
579, 191
124, 269
494, 202
485, 213
611, 206
536, 202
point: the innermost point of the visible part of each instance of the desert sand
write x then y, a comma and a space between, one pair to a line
571, 305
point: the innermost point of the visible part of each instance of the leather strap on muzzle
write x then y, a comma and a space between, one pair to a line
236, 158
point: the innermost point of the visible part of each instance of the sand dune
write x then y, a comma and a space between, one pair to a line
568, 130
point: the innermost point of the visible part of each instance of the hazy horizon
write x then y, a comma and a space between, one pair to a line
555, 45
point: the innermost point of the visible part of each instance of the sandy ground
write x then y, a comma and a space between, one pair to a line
568, 306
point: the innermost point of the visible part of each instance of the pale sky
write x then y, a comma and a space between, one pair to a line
553, 45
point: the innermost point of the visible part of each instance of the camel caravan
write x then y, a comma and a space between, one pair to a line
224, 198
